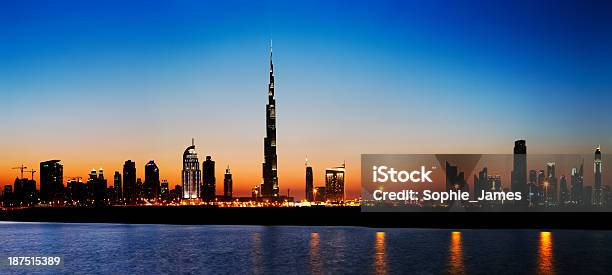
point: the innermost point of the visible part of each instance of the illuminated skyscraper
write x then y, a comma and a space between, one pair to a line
151, 183
129, 182
209, 181
191, 173
577, 178
519, 172
228, 184
270, 175
334, 183
309, 183
164, 190
51, 180
597, 186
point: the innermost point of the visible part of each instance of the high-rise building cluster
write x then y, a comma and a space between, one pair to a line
544, 187
333, 191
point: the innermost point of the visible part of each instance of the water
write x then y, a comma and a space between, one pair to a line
152, 249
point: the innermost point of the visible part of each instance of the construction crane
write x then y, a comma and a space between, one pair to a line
21, 168
30, 171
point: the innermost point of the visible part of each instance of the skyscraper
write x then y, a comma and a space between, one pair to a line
91, 185
117, 184
228, 184
519, 172
270, 175
191, 173
334, 183
455, 181
25, 191
309, 183
151, 183
577, 179
209, 181
164, 191
597, 197
129, 182
551, 183
100, 186
139, 190
564, 195
481, 182
51, 180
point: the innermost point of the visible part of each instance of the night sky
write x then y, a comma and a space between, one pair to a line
95, 83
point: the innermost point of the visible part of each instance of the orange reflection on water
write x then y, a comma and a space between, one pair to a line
455, 260
380, 259
545, 254
256, 254
315, 259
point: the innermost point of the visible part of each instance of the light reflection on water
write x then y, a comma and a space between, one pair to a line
315, 260
545, 254
141, 249
455, 259
380, 256
256, 253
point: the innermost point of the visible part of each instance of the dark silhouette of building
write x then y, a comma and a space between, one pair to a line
309, 183
532, 185
270, 175
96, 188
76, 192
8, 198
551, 184
597, 197
481, 182
320, 194
100, 189
541, 177
191, 174
577, 178
519, 172
51, 181
151, 183
164, 191
118, 187
208, 179
139, 188
228, 184
606, 196
177, 193
455, 180
564, 195
334, 183
129, 182
91, 185
24, 191
587, 196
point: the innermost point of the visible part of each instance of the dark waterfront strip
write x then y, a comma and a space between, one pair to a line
309, 216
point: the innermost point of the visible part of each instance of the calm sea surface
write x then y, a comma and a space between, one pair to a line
152, 249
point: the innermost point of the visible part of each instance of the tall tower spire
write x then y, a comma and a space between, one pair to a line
270, 175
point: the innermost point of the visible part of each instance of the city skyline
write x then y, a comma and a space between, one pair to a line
95, 91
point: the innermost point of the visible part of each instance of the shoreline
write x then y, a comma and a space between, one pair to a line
310, 216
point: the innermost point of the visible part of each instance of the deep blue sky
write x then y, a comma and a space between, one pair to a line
104, 81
